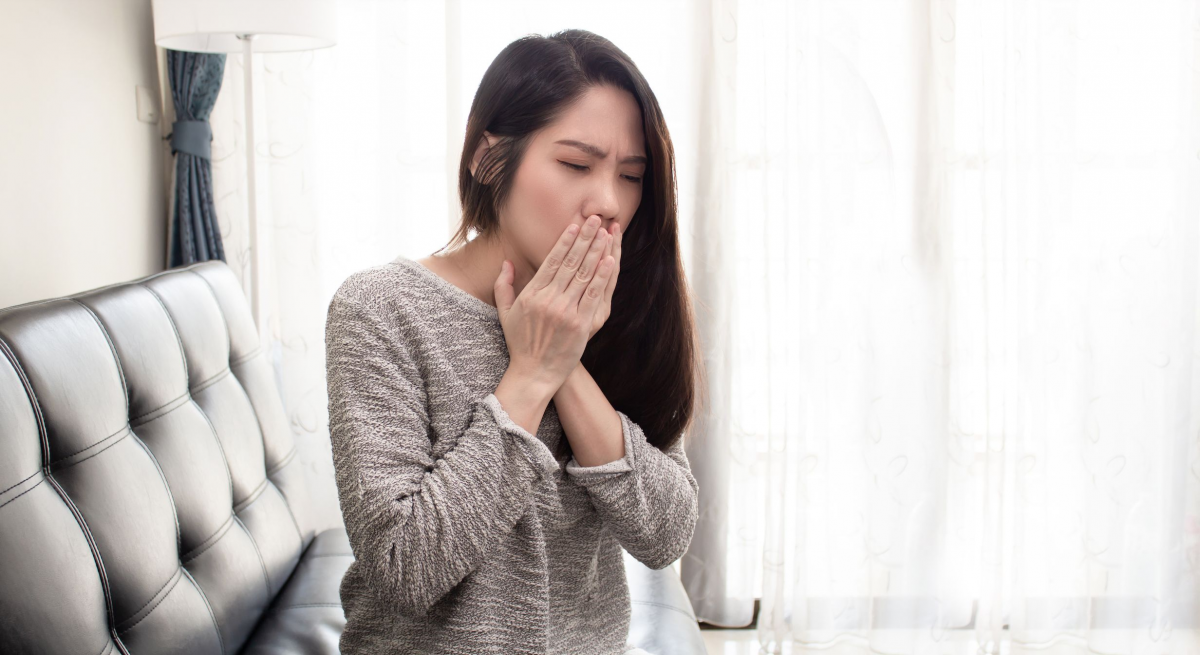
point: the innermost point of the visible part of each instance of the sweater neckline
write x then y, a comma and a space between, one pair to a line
459, 296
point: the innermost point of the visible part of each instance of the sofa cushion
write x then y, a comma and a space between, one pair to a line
307, 616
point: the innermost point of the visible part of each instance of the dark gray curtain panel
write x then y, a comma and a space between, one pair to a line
195, 80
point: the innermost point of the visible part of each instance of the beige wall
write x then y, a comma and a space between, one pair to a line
82, 199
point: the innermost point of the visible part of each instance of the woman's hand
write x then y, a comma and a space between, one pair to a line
605, 308
547, 327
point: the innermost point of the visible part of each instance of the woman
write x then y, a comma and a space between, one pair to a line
487, 480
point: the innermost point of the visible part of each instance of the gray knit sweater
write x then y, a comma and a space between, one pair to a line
469, 536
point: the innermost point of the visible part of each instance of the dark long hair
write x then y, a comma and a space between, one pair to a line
646, 356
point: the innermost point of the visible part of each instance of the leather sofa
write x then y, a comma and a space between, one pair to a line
151, 498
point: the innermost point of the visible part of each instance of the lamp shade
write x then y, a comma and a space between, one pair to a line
214, 25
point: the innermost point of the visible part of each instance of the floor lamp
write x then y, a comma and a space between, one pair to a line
246, 26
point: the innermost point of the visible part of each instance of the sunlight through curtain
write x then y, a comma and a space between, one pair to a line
944, 255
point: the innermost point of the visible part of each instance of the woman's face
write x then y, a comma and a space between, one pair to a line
589, 161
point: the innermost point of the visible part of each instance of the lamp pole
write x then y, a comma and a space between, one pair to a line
252, 195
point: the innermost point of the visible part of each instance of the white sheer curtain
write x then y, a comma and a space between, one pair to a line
963, 329
945, 261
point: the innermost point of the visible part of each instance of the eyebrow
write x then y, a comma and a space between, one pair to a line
597, 152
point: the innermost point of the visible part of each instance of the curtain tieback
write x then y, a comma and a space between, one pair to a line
192, 137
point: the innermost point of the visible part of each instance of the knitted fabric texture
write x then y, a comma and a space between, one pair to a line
469, 536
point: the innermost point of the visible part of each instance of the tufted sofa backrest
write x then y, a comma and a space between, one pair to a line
150, 495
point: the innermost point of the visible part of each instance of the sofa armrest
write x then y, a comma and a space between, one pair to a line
662, 621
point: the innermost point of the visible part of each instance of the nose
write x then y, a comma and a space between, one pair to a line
605, 203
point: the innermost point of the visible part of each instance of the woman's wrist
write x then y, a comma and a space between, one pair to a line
533, 386
524, 401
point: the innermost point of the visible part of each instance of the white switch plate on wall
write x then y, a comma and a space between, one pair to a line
147, 105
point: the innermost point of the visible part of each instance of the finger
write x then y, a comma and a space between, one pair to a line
615, 251
588, 268
612, 283
549, 268
575, 256
504, 289
595, 288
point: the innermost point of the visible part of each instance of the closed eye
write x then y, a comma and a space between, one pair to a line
577, 167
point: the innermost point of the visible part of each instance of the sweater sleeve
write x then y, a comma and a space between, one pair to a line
647, 499
417, 524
